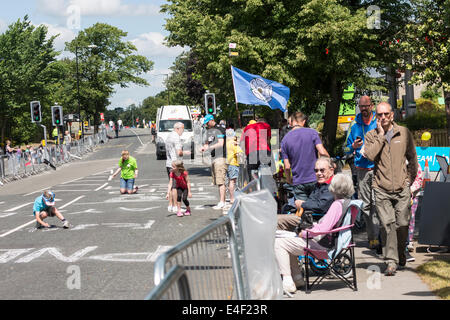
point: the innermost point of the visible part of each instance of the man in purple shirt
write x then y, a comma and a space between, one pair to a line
299, 149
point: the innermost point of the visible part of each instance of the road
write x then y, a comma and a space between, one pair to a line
109, 252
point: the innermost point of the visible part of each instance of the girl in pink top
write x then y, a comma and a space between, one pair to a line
415, 188
179, 180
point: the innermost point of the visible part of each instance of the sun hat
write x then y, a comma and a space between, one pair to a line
208, 118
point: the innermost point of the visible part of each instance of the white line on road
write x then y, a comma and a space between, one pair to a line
73, 201
100, 188
138, 137
29, 194
72, 181
19, 207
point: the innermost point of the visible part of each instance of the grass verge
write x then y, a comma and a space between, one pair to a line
436, 274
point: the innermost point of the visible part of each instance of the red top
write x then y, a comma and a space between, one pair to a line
257, 137
180, 180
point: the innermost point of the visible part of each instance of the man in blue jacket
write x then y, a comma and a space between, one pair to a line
363, 123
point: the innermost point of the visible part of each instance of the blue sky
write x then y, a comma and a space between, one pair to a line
140, 18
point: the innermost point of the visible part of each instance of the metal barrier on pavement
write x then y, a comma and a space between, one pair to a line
207, 266
36, 160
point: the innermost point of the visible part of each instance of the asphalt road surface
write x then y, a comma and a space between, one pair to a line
110, 250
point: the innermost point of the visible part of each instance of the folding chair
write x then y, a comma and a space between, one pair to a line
443, 168
338, 259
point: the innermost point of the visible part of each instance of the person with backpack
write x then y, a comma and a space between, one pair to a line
179, 180
288, 249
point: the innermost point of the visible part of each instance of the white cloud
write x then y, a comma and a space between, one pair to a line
65, 35
151, 44
3, 26
97, 8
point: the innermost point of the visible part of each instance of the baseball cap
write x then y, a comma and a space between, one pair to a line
208, 118
49, 201
252, 122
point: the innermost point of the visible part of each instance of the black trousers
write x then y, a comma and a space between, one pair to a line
182, 194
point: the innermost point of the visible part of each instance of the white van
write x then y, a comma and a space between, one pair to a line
166, 118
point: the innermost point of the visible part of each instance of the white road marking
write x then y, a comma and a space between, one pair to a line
29, 194
19, 207
138, 210
33, 221
73, 201
138, 137
6, 214
72, 181
99, 188
57, 254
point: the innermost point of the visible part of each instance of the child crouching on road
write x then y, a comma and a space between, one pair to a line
44, 206
182, 185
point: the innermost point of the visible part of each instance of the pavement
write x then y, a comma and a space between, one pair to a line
372, 283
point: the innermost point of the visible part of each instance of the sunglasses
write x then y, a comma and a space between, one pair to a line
386, 114
364, 105
321, 170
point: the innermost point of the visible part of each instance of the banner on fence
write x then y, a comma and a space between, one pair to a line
430, 153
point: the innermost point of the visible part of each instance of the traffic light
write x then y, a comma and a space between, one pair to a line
210, 103
36, 115
57, 116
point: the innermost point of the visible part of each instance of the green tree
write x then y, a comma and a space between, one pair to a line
105, 60
27, 72
315, 47
427, 39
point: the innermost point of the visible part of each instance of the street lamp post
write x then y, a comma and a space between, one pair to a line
78, 95
78, 89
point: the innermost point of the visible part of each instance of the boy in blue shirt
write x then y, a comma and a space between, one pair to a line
44, 206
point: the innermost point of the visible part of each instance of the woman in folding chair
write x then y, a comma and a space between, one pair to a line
288, 249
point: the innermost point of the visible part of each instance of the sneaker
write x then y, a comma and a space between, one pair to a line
169, 208
38, 225
179, 214
66, 224
373, 244
174, 209
219, 206
410, 246
390, 270
409, 258
187, 213
289, 285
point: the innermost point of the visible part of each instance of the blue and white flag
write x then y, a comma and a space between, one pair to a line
255, 90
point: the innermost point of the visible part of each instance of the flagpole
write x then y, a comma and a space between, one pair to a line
235, 98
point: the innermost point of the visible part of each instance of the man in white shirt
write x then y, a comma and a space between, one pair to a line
174, 151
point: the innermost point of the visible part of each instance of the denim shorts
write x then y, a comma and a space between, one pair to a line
303, 191
126, 184
233, 172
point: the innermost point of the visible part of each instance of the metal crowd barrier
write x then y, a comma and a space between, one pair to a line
207, 266
36, 160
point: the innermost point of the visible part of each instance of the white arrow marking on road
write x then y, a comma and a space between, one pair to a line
83, 227
99, 188
138, 210
57, 254
12, 254
132, 257
86, 211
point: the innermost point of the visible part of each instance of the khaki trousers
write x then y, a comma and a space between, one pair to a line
368, 211
394, 211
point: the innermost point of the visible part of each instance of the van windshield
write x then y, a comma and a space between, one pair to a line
167, 125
